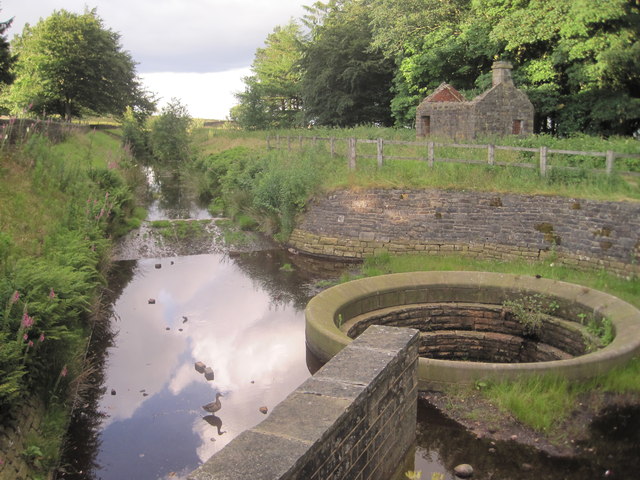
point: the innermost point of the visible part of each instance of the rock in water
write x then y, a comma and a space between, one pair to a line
263, 410
208, 373
463, 470
200, 367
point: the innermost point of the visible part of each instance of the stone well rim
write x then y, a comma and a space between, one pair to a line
325, 339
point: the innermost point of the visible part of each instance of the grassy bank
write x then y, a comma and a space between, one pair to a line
59, 204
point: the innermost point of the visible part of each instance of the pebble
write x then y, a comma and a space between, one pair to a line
263, 410
152, 301
158, 265
464, 470
113, 391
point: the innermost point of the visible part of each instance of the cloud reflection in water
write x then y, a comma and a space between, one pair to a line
255, 347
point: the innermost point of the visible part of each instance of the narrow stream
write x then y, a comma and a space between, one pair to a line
242, 315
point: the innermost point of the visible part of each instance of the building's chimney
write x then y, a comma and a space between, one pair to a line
502, 73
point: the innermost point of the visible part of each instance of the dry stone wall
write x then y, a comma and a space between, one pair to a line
581, 233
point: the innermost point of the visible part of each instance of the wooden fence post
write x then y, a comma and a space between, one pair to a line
610, 159
351, 155
268, 143
430, 154
332, 143
491, 154
543, 161
380, 152
288, 143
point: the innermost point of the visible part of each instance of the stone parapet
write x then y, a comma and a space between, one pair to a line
354, 419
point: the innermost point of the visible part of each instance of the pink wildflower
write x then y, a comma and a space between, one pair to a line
52, 294
15, 297
25, 337
30, 343
63, 373
41, 339
27, 321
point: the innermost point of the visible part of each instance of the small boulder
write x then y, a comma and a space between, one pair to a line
464, 470
200, 367
158, 265
113, 391
208, 373
263, 410
152, 301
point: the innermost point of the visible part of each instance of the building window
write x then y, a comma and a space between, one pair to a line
517, 127
426, 125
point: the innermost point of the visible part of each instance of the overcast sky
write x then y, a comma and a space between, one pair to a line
195, 50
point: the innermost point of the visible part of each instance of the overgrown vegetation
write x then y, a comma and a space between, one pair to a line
59, 203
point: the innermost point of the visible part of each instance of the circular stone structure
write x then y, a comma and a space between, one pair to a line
468, 335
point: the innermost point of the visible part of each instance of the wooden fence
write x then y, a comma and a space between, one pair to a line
431, 158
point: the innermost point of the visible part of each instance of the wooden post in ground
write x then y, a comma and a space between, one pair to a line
610, 159
430, 154
351, 155
543, 161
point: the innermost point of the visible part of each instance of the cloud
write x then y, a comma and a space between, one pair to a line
176, 36
206, 95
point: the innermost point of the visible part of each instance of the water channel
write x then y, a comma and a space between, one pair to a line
242, 314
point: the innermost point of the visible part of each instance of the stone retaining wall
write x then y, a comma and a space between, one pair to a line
354, 419
580, 233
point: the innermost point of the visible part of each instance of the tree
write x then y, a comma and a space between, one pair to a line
345, 82
272, 94
6, 58
170, 133
578, 60
70, 64
581, 57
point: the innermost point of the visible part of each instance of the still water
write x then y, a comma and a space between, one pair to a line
208, 309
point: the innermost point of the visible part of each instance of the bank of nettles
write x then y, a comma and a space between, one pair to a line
59, 205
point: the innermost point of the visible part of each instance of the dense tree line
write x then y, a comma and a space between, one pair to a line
349, 62
69, 65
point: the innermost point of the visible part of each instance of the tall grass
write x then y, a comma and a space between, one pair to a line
58, 202
400, 173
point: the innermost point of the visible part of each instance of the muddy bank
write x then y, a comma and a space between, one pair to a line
602, 425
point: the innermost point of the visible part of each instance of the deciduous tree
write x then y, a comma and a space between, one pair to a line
345, 81
70, 64
271, 98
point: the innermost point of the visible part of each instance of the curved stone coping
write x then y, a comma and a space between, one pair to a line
338, 304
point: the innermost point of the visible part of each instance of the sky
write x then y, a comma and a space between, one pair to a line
195, 50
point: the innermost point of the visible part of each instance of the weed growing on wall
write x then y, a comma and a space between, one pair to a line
530, 311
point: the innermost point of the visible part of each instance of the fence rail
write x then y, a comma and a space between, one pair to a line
542, 164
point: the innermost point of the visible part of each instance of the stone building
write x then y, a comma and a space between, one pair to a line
501, 110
